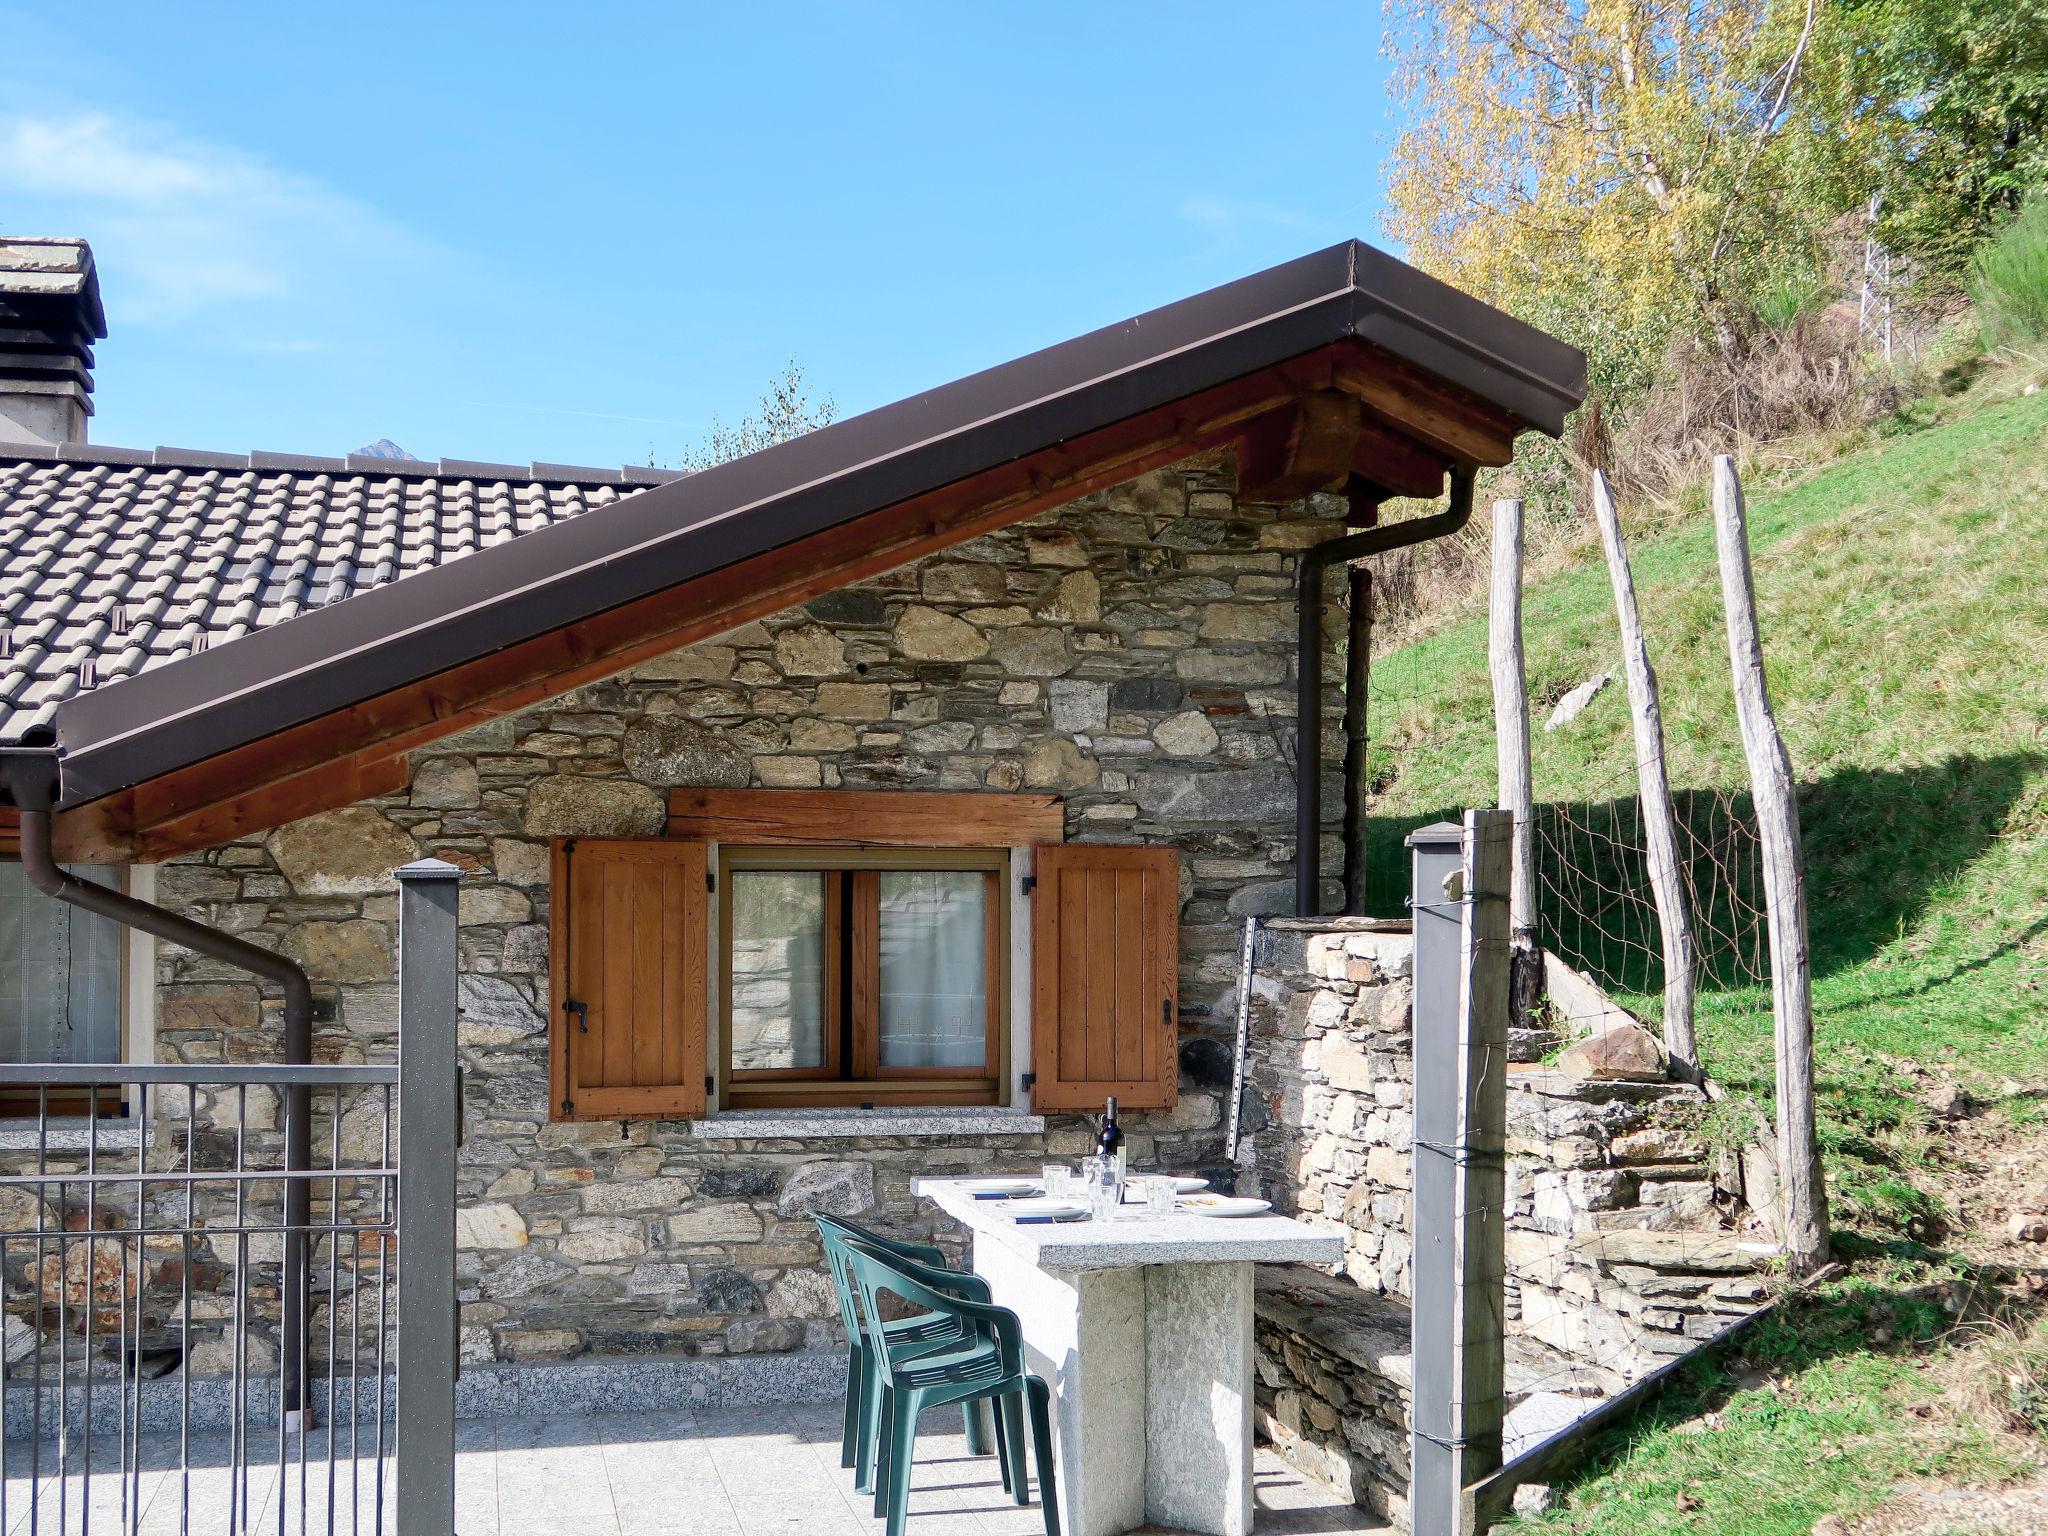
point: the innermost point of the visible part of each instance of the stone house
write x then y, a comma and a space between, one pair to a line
876, 804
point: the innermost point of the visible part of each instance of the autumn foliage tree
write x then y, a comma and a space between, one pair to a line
1616, 170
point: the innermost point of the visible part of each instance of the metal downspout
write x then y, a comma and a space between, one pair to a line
30, 778
1308, 669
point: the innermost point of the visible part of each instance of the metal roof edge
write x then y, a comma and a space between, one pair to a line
387, 637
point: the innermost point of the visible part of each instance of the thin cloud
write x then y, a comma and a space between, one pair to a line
1221, 215
189, 227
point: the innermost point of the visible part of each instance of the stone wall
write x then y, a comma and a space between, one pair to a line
1334, 1380
1626, 1240
1132, 652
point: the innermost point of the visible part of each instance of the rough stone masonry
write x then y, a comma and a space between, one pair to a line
1626, 1240
1131, 652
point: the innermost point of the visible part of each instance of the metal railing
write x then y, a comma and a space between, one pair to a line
154, 1375
142, 1284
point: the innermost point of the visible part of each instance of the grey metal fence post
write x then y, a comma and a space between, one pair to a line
1460, 905
427, 1119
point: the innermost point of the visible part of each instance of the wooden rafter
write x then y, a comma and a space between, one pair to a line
1305, 448
1443, 420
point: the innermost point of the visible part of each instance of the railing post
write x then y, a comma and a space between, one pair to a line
1460, 903
427, 1117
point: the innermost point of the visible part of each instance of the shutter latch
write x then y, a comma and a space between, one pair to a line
582, 1013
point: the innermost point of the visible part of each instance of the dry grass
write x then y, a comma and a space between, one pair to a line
1807, 378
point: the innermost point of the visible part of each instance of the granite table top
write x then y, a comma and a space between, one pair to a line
1134, 1240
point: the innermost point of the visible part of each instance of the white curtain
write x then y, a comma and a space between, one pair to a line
60, 973
934, 964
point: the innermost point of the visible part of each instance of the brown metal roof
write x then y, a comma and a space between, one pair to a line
327, 660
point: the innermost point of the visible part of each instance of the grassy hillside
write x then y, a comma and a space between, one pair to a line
1904, 594
1904, 599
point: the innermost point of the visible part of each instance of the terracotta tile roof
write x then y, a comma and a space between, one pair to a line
114, 561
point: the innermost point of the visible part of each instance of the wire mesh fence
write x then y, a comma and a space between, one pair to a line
1597, 912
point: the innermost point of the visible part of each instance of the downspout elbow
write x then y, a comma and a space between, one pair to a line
31, 779
1308, 666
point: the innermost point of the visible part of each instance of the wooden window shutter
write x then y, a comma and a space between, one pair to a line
629, 977
1105, 958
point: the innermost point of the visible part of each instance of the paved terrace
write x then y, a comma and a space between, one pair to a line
701, 1472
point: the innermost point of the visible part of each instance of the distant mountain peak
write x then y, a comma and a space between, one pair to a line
384, 448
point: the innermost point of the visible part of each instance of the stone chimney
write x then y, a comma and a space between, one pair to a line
50, 316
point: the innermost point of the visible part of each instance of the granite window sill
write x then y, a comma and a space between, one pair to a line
67, 1133
861, 1124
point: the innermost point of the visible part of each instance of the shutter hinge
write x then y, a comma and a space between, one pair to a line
711, 881
709, 1085
582, 1013
1166, 1010
1028, 884
1030, 1080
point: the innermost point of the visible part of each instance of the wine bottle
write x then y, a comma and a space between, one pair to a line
1109, 1142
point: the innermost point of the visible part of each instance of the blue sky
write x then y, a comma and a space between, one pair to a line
518, 232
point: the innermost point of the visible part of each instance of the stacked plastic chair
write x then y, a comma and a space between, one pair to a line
922, 1336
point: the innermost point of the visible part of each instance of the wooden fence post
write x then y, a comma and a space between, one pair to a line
1803, 1195
1653, 787
1511, 714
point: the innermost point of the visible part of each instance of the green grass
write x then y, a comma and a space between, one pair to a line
1903, 591
1808, 1420
1903, 588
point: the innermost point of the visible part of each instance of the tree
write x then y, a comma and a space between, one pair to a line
1967, 83
1616, 170
784, 411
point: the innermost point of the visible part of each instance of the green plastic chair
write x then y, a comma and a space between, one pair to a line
988, 1366
920, 1333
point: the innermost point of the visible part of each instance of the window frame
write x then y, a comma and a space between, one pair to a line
134, 1023
854, 1075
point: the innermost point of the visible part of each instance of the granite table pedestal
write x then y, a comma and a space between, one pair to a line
1143, 1328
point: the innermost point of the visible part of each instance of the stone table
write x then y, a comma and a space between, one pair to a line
1143, 1328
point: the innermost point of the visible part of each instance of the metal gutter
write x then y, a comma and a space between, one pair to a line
30, 777
1308, 669
317, 663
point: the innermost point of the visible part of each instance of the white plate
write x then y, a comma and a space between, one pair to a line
1058, 1210
1223, 1205
1001, 1186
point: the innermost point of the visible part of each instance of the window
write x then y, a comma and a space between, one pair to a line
863, 976
61, 977
822, 974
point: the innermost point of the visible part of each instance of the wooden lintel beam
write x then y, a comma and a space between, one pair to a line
1397, 463
1303, 449
867, 818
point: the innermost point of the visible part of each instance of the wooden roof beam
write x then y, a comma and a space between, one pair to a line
1444, 421
1305, 448
1396, 463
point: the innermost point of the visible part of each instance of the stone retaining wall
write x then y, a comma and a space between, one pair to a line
1132, 652
1333, 1387
1626, 1241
